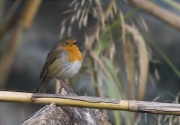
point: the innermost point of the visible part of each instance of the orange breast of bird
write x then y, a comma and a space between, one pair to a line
73, 53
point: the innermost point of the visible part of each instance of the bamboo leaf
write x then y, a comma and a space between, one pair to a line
168, 61
111, 92
102, 45
129, 64
117, 117
110, 8
111, 70
118, 22
143, 60
105, 70
105, 37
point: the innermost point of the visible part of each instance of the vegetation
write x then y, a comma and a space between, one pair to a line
113, 48
103, 51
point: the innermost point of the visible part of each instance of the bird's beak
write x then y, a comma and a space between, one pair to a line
75, 43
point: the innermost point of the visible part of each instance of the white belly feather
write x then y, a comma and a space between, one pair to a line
69, 70
62, 68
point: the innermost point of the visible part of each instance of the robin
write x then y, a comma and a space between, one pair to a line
63, 61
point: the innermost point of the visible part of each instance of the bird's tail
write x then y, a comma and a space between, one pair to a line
41, 88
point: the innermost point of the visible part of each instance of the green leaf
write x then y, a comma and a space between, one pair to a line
111, 69
106, 37
174, 68
102, 45
111, 93
117, 117
118, 22
173, 3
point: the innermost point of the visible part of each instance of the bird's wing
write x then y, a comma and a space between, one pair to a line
52, 56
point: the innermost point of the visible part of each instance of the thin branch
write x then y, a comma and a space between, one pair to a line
158, 12
91, 102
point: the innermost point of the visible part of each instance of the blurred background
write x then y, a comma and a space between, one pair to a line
127, 53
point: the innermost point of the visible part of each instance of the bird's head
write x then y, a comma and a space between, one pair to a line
69, 43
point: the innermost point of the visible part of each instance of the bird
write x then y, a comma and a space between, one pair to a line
63, 61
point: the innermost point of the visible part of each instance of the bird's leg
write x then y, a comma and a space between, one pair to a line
63, 84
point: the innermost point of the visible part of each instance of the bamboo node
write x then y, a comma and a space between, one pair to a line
133, 105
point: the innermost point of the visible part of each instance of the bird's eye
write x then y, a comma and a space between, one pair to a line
67, 43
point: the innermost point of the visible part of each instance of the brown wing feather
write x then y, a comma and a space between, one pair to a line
43, 71
51, 57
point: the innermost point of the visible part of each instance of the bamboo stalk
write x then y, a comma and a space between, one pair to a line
91, 102
2, 3
28, 12
60, 115
169, 18
12, 10
7, 60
